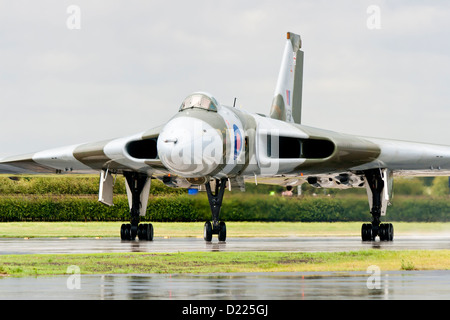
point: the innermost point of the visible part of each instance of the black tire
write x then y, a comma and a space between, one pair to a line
122, 232
366, 232
141, 232
207, 231
145, 232
383, 233
133, 231
222, 231
386, 232
149, 232
390, 232
125, 232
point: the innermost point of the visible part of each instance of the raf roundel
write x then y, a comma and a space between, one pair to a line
237, 141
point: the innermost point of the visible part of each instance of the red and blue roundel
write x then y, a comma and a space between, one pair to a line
237, 141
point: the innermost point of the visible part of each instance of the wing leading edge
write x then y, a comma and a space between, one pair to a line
117, 155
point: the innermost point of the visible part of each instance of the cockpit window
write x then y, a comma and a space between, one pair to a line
199, 100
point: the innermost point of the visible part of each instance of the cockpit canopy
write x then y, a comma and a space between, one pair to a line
200, 100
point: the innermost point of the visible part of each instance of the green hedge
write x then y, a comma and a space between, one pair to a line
87, 208
88, 184
67, 208
235, 208
70, 185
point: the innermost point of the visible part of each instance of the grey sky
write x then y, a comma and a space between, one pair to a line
132, 63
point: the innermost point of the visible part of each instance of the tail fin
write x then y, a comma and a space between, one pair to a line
287, 101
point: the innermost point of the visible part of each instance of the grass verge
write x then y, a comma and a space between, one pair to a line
225, 262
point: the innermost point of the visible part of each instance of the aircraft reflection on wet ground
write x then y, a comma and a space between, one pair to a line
240, 286
235, 286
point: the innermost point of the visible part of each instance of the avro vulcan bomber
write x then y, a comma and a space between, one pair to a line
218, 146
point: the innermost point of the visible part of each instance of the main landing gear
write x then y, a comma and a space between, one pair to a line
215, 202
370, 231
384, 230
144, 231
138, 186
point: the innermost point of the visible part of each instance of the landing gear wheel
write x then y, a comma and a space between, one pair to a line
207, 231
222, 231
140, 232
386, 232
125, 232
148, 232
145, 231
391, 232
366, 232
133, 231
383, 232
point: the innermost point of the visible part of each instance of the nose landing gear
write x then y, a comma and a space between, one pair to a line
215, 202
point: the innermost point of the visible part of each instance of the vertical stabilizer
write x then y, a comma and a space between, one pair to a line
287, 101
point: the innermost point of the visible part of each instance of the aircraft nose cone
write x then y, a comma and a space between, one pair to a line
190, 147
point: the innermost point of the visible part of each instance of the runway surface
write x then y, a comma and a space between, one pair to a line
235, 286
307, 244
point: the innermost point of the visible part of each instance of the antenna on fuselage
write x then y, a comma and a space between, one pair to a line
234, 103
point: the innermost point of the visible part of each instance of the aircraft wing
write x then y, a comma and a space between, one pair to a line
410, 158
133, 153
357, 153
330, 159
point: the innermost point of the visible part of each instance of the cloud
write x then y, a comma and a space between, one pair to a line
132, 63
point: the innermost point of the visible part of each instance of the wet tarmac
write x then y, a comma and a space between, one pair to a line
392, 285
236, 286
306, 244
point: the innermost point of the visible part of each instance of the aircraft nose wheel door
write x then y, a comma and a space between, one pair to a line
215, 202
